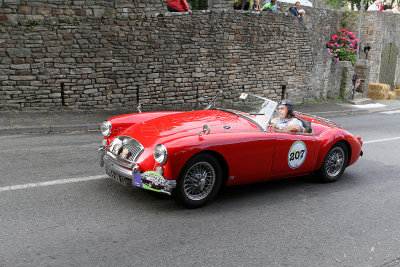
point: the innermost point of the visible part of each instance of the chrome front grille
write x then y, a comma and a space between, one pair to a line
119, 147
134, 150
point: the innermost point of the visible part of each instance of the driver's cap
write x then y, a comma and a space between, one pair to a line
288, 104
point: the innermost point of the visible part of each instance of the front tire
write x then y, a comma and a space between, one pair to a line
199, 181
334, 163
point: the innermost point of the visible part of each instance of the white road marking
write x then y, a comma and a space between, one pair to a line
391, 112
374, 105
381, 140
54, 182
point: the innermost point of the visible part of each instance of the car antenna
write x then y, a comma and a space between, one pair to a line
215, 97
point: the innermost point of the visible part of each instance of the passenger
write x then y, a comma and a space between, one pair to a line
286, 121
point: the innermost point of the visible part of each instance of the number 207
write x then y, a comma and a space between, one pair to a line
297, 155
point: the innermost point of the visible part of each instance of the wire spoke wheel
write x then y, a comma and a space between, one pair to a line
199, 181
334, 163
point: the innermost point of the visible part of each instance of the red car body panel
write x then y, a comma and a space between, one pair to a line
250, 154
122, 122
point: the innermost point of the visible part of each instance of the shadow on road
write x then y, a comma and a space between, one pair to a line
250, 195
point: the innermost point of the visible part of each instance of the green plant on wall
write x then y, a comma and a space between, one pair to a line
31, 24
348, 19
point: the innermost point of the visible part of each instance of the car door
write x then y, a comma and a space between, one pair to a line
294, 154
250, 158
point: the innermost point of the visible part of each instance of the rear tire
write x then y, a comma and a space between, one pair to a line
334, 163
199, 181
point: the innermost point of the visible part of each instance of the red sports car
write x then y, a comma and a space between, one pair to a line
191, 154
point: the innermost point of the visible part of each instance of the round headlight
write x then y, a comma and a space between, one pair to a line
116, 148
160, 154
105, 128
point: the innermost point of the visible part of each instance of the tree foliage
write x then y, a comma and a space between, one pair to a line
355, 4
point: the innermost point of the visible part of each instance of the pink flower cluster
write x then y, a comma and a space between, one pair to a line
343, 45
348, 33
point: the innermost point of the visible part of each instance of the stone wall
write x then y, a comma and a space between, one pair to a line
378, 30
96, 8
107, 54
325, 77
220, 4
93, 8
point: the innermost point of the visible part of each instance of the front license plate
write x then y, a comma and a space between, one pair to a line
118, 178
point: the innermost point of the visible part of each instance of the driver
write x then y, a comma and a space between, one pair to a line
286, 121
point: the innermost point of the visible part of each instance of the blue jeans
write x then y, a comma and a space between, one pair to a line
172, 10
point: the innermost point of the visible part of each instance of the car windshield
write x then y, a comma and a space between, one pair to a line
256, 109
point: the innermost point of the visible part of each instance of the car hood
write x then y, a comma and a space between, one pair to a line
184, 124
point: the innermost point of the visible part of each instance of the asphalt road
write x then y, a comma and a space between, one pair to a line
293, 222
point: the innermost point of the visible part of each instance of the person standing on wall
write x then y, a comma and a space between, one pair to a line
387, 6
376, 6
256, 5
178, 6
276, 7
269, 5
237, 5
294, 10
246, 4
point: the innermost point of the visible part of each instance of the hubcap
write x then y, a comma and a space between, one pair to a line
335, 162
199, 181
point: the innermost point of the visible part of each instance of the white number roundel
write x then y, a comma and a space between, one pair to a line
297, 154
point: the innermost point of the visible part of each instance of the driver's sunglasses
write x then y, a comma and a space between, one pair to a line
281, 108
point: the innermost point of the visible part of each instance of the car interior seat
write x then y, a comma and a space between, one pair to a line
306, 124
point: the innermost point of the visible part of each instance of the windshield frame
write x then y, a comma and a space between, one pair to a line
245, 115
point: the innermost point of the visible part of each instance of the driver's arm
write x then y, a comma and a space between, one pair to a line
273, 122
293, 128
296, 127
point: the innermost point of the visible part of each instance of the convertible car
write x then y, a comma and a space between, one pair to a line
191, 154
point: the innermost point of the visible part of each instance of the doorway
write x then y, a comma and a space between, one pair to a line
388, 65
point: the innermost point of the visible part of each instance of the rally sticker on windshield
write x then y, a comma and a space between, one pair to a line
243, 96
297, 154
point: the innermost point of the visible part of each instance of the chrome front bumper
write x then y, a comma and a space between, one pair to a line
149, 180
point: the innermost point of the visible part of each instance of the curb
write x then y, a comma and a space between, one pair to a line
50, 129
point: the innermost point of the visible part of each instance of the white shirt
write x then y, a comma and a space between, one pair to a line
280, 124
373, 7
